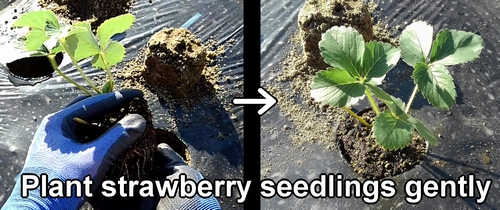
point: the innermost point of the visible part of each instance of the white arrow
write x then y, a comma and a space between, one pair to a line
268, 101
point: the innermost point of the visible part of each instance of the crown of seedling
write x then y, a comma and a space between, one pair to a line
358, 68
78, 41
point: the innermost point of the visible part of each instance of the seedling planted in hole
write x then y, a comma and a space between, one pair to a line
358, 68
78, 41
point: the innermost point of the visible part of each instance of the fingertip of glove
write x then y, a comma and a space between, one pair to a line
129, 93
167, 154
163, 146
134, 122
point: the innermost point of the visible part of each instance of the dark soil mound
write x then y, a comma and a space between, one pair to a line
97, 11
367, 158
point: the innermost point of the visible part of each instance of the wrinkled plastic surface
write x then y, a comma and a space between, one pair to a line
468, 130
213, 136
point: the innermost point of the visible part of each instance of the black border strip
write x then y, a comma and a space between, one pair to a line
251, 161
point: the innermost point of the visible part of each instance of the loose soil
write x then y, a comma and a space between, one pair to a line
312, 121
367, 158
93, 11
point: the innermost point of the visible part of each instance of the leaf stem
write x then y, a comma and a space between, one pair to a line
108, 70
372, 102
78, 68
357, 117
56, 68
412, 97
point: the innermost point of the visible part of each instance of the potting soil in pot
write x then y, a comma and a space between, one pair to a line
367, 158
211, 131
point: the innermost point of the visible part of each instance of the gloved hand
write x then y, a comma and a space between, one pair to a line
171, 167
56, 152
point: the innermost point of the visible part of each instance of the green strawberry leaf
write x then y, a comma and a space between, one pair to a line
57, 48
76, 28
343, 48
379, 58
454, 47
37, 19
396, 105
113, 54
82, 43
415, 43
423, 131
107, 87
336, 87
35, 39
436, 85
114, 26
391, 132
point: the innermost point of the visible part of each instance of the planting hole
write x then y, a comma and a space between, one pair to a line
367, 158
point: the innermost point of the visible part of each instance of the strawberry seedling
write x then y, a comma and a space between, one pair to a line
358, 68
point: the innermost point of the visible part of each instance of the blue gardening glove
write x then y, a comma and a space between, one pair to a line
171, 167
56, 152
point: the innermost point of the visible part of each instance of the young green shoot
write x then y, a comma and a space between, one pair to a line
78, 41
358, 68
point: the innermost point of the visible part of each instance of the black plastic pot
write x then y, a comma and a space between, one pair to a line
21, 70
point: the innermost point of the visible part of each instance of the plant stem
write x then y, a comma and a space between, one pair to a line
412, 97
56, 68
78, 68
372, 102
108, 71
81, 121
357, 117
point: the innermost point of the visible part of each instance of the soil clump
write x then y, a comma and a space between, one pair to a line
175, 59
167, 61
317, 16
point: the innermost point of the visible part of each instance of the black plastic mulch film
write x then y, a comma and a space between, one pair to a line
468, 130
215, 143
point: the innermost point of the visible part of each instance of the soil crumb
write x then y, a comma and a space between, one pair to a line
95, 12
